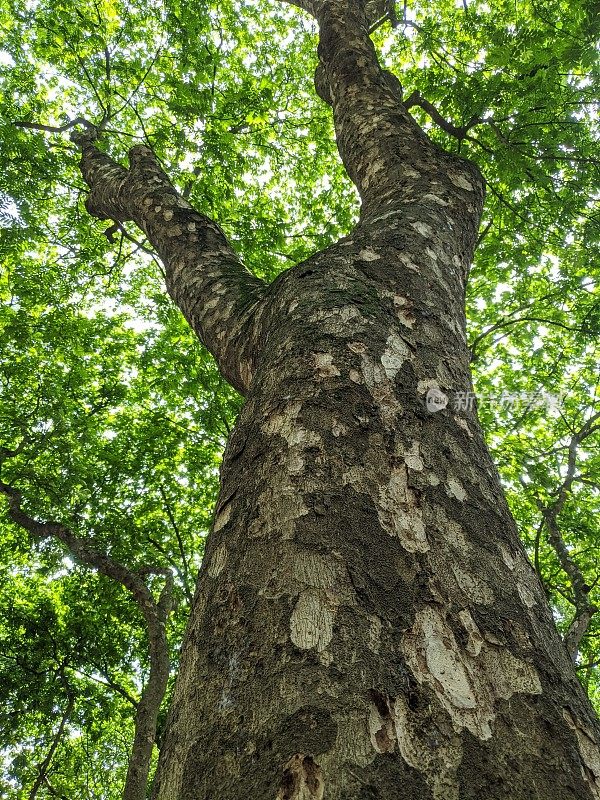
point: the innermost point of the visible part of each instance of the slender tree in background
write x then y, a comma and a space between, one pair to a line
365, 623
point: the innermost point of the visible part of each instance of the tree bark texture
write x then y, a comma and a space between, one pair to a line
366, 624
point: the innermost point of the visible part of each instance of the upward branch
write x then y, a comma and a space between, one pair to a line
204, 275
391, 160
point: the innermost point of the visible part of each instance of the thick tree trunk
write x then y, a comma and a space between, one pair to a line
366, 623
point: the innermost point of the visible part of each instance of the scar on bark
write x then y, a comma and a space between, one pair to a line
383, 729
302, 779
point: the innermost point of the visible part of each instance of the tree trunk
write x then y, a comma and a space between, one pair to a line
366, 624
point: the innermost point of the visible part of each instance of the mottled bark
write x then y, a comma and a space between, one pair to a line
204, 275
366, 623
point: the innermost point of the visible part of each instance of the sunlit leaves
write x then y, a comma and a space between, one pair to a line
118, 414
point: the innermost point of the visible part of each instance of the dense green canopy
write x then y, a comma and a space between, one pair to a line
113, 417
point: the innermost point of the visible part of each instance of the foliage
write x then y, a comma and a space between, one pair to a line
118, 413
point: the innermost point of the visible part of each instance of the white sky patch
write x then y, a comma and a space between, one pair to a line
501, 289
9, 213
6, 60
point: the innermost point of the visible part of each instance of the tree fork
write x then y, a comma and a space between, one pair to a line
366, 623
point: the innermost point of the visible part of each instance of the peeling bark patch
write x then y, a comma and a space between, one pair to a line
475, 640
374, 635
335, 320
311, 623
395, 354
462, 423
403, 311
527, 597
218, 561
400, 514
474, 587
338, 428
381, 725
302, 779
437, 758
422, 228
460, 181
324, 365
279, 507
589, 751
285, 424
368, 255
222, 518
378, 375
456, 490
467, 682
412, 459
507, 557
445, 666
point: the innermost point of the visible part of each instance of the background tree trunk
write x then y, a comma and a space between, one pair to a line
366, 623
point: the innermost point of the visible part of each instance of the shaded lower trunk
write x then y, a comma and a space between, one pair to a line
366, 623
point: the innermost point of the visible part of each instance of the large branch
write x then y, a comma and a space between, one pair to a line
388, 156
205, 277
155, 615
